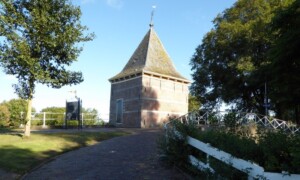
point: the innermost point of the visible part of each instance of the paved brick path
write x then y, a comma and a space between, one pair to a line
128, 157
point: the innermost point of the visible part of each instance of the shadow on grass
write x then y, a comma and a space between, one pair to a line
10, 131
17, 134
19, 157
6, 130
85, 138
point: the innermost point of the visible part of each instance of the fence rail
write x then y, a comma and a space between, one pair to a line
253, 170
47, 118
217, 118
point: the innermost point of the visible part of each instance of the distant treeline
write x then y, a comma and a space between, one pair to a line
13, 113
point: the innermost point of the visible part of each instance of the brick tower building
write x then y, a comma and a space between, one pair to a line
148, 90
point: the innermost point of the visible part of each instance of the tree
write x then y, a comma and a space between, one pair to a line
40, 39
194, 104
56, 113
17, 109
285, 67
61, 110
4, 116
90, 113
89, 110
229, 66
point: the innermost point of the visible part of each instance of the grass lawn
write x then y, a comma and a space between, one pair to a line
18, 154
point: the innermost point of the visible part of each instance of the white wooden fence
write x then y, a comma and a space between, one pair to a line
253, 170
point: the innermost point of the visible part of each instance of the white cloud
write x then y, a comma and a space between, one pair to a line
117, 4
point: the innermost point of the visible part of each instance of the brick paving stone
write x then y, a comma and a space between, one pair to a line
128, 157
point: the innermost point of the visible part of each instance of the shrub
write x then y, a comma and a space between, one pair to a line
90, 122
175, 150
275, 151
101, 123
17, 109
37, 122
295, 153
171, 146
280, 151
4, 116
213, 119
230, 121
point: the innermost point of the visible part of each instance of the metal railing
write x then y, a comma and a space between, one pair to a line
45, 119
217, 119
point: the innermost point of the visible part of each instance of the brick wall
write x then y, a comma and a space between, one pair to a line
148, 101
129, 91
162, 98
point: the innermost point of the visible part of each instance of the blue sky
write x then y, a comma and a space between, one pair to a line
119, 26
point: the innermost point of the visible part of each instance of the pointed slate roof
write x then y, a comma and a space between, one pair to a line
150, 57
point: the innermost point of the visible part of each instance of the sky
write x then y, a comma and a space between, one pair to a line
119, 26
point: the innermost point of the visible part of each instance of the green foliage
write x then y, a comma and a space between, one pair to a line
89, 110
194, 104
58, 110
230, 65
90, 116
213, 119
285, 66
225, 171
101, 123
280, 152
295, 152
176, 150
17, 109
55, 117
4, 116
241, 147
230, 121
73, 123
275, 151
39, 39
172, 146
58, 122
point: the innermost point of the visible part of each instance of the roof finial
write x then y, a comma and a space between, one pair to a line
152, 14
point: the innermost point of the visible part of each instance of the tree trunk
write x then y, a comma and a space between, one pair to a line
28, 119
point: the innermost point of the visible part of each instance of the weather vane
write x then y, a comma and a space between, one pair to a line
152, 14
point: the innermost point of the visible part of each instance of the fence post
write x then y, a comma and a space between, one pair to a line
21, 115
207, 160
44, 120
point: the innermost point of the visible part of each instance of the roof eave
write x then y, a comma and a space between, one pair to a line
126, 77
186, 81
